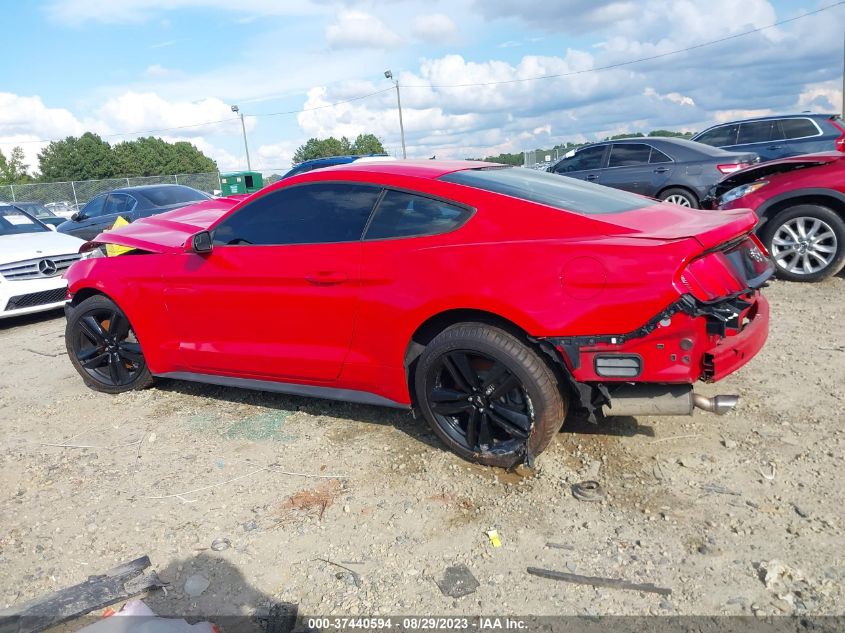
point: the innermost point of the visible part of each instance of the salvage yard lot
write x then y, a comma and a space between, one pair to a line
694, 504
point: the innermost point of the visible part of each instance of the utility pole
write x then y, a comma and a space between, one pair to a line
237, 111
389, 75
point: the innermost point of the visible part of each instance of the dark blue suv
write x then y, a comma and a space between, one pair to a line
330, 161
778, 136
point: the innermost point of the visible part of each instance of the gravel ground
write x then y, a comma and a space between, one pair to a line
701, 505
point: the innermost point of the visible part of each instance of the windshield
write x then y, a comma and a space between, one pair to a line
561, 192
174, 194
35, 208
14, 222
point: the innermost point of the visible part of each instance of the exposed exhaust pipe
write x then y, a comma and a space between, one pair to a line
719, 405
664, 400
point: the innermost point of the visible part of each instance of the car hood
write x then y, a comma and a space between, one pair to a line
779, 166
672, 222
21, 246
169, 231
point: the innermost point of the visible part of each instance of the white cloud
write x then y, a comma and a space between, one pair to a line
674, 97
436, 28
158, 71
76, 12
356, 29
276, 156
821, 97
134, 111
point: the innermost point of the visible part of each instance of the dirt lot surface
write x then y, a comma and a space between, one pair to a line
696, 504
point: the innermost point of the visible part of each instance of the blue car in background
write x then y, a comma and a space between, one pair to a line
778, 136
330, 161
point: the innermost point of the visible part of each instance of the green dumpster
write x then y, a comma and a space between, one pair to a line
241, 182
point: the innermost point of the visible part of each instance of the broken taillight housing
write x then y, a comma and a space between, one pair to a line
732, 269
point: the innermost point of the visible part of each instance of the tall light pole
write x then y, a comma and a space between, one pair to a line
389, 75
237, 111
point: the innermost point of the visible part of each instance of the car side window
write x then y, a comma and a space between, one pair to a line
798, 128
584, 159
403, 214
755, 132
116, 204
306, 214
720, 136
628, 154
95, 207
658, 157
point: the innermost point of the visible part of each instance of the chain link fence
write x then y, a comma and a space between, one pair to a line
74, 194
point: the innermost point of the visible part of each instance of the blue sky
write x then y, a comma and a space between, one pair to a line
120, 66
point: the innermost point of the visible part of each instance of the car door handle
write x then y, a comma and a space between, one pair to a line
661, 170
775, 146
592, 177
326, 277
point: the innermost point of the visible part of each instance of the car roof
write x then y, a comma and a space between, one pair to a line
145, 188
417, 168
774, 117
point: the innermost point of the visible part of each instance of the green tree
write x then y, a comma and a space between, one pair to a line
150, 156
13, 170
84, 158
367, 144
331, 146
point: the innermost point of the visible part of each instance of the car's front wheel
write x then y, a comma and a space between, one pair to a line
103, 347
806, 242
488, 396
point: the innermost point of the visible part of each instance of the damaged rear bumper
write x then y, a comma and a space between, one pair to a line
689, 341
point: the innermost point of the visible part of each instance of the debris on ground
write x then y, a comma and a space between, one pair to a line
720, 490
196, 584
457, 581
219, 544
588, 491
97, 592
786, 583
596, 581
353, 575
143, 620
560, 546
494, 538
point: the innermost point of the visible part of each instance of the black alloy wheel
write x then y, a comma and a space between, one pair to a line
487, 395
479, 401
103, 347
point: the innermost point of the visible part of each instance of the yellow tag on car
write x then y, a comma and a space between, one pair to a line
113, 250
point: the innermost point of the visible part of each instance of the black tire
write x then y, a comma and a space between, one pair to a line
103, 347
676, 194
473, 377
777, 237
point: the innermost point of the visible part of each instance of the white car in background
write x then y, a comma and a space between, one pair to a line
33, 258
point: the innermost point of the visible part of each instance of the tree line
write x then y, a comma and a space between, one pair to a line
89, 157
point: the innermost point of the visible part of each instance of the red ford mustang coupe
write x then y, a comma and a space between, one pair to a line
494, 300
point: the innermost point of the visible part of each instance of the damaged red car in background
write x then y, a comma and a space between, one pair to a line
494, 300
800, 201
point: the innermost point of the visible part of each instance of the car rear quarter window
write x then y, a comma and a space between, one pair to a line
629, 154
719, 136
316, 213
658, 157
402, 214
568, 194
798, 128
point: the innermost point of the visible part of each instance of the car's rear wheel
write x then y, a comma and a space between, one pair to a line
103, 347
806, 242
681, 197
488, 396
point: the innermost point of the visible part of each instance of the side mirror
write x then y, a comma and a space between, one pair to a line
200, 243
76, 217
